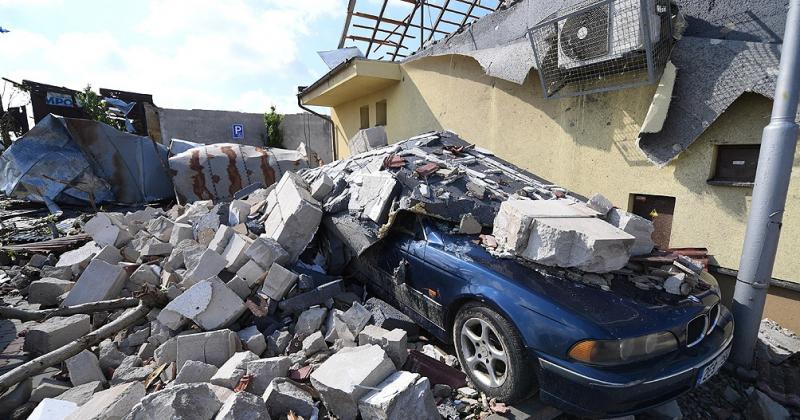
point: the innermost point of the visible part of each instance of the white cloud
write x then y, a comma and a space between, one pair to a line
202, 54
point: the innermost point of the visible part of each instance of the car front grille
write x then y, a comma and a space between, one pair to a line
701, 326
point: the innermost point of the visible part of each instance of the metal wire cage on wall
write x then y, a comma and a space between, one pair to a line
599, 46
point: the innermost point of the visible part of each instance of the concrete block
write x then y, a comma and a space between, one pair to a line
317, 296
243, 405
233, 369
55, 333
310, 321
109, 356
341, 380
155, 248
208, 265
220, 239
266, 251
61, 273
81, 394
180, 232
109, 254
48, 389
283, 395
589, 244
600, 204
263, 371
367, 139
194, 372
113, 403
209, 303
84, 368
100, 281
167, 352
469, 225
196, 401
334, 316
321, 187
375, 196
641, 229
239, 286
131, 370
394, 342
141, 216
161, 228
251, 273
403, 395
79, 257
355, 319
512, 225
214, 347
277, 342
146, 350
388, 317
253, 340
47, 291
238, 211
278, 282
105, 231
136, 337
314, 344
144, 274
235, 252
295, 218
51, 409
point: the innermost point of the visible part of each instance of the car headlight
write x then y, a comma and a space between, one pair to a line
629, 350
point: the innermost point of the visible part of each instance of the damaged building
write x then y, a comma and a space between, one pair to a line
687, 162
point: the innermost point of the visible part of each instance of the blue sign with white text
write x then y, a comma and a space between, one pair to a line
237, 131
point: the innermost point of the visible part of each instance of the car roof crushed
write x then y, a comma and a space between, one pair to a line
440, 175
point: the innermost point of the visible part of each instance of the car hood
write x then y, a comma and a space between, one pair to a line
622, 311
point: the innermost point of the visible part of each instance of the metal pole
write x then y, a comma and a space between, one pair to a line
778, 144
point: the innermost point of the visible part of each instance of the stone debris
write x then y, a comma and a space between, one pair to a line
195, 372
99, 281
55, 333
255, 323
113, 403
84, 368
232, 370
184, 401
263, 371
403, 395
50, 409
342, 379
243, 405
48, 291
284, 395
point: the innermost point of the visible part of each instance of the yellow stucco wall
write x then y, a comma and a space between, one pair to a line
586, 144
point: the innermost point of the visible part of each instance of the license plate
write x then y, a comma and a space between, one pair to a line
713, 368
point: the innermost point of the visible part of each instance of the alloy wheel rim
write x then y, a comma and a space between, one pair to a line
484, 353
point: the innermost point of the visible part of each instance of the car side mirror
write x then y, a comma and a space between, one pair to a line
433, 237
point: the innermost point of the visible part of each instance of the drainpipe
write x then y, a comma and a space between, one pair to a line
775, 160
324, 117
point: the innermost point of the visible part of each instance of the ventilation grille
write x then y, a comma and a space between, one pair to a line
600, 46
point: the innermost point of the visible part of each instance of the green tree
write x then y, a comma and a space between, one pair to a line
272, 120
96, 108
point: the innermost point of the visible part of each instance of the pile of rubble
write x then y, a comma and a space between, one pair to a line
234, 309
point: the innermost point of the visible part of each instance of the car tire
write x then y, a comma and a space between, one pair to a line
507, 381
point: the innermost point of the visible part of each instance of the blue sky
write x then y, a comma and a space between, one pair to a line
210, 54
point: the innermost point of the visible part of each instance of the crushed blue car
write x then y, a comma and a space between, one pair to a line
619, 340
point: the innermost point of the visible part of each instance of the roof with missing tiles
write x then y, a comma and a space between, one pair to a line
729, 47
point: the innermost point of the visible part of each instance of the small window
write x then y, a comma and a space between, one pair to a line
408, 224
365, 117
735, 165
380, 113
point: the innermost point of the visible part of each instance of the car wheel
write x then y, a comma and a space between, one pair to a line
491, 353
